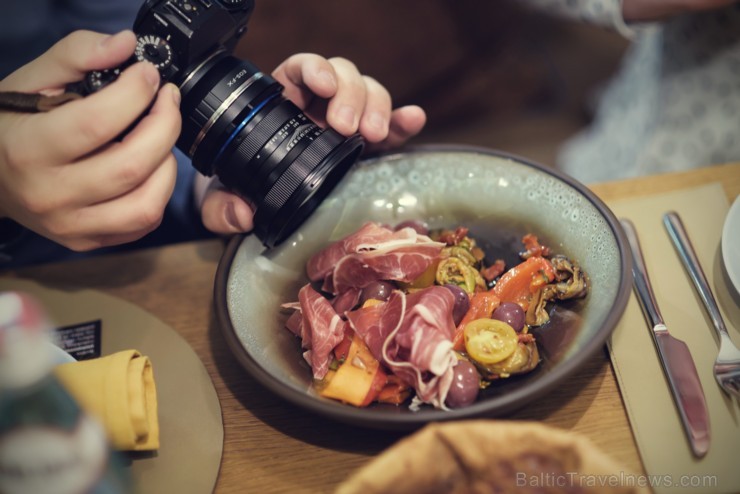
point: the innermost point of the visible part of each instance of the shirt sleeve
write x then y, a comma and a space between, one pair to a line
105, 16
30, 27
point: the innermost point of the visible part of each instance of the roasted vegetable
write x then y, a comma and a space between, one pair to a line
359, 380
521, 282
459, 265
455, 271
523, 359
489, 341
482, 305
571, 282
533, 247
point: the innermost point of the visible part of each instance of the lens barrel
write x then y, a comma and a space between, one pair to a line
238, 126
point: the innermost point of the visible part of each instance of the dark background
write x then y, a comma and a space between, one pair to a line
488, 73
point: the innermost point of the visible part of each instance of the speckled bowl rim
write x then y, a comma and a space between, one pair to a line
505, 404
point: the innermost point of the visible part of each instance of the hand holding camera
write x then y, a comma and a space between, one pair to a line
59, 174
250, 107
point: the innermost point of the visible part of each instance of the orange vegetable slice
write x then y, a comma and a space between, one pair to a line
520, 282
359, 379
482, 305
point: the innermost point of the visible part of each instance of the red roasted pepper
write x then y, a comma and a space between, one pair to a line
520, 282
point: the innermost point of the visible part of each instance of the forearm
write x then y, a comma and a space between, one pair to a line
618, 13
656, 10
606, 13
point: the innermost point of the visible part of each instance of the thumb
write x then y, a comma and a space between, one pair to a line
225, 213
71, 58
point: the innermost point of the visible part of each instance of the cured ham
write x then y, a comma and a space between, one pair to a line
320, 329
412, 335
346, 300
373, 253
369, 236
404, 263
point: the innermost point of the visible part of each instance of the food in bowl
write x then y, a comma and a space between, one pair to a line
392, 313
499, 198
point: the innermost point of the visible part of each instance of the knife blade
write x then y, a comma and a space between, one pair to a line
675, 357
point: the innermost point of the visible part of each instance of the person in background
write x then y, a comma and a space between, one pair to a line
66, 189
674, 103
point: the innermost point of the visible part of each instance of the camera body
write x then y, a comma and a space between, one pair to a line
236, 123
175, 35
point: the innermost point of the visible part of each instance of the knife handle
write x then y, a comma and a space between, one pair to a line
642, 280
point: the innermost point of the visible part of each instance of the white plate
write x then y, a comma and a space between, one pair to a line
190, 419
59, 356
731, 244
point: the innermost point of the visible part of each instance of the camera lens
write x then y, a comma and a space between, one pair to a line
238, 126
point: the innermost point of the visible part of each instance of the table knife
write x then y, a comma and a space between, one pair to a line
675, 358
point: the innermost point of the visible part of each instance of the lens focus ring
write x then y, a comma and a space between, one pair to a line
264, 131
295, 175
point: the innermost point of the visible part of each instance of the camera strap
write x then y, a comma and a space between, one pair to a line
14, 101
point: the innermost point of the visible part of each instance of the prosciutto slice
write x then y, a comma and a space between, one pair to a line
412, 335
369, 236
320, 329
404, 263
373, 253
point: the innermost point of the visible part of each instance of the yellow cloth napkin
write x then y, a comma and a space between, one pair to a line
118, 390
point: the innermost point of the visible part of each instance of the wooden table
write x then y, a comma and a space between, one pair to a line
272, 446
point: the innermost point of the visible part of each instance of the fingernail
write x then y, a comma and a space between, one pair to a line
328, 78
346, 115
233, 219
176, 96
105, 40
108, 38
151, 74
377, 121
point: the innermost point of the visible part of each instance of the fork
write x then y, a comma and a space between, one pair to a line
727, 365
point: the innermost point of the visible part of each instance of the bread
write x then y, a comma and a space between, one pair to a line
492, 456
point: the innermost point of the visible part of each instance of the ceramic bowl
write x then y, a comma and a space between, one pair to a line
500, 197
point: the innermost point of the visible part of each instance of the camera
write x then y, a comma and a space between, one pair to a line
235, 122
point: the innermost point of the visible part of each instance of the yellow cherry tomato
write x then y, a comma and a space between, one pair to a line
489, 341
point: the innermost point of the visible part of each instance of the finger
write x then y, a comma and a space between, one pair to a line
70, 59
306, 76
82, 126
226, 213
345, 108
406, 122
125, 165
377, 113
132, 215
86, 244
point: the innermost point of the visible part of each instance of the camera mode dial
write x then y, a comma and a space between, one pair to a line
97, 79
153, 49
234, 3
